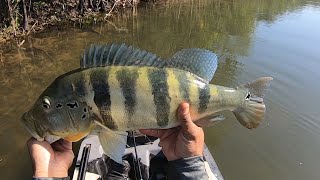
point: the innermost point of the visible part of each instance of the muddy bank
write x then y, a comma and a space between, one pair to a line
22, 17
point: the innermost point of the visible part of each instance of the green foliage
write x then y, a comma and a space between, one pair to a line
36, 14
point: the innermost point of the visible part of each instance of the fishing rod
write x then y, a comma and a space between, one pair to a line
136, 154
84, 162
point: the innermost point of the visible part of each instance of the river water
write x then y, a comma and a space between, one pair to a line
278, 38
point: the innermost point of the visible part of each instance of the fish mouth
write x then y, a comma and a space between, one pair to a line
31, 129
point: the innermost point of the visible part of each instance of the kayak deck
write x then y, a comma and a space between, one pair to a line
92, 163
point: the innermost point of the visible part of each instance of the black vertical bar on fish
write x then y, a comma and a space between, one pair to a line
161, 98
128, 79
79, 86
204, 98
100, 86
184, 88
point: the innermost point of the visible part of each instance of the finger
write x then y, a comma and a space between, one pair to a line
31, 141
153, 132
66, 144
188, 127
62, 145
57, 145
184, 115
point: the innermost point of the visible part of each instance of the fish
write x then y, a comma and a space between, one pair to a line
120, 88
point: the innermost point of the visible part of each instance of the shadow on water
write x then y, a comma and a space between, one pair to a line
225, 27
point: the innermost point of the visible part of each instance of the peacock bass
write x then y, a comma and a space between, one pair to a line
119, 88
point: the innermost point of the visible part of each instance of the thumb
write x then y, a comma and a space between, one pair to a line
184, 117
153, 132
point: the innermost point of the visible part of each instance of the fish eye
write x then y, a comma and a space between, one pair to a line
46, 103
248, 95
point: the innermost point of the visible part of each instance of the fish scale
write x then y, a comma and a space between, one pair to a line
116, 87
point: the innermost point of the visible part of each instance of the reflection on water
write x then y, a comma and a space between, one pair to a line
252, 38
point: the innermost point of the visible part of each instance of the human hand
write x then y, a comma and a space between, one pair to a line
183, 141
50, 160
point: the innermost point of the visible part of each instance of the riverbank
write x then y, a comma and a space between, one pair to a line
21, 17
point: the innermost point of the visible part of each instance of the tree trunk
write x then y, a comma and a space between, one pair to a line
25, 16
81, 6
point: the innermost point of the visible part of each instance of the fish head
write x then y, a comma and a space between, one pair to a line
58, 112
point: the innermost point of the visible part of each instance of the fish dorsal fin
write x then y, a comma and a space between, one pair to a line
200, 62
118, 55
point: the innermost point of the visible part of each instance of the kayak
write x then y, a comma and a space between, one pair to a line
143, 158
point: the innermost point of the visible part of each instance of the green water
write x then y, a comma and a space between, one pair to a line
278, 38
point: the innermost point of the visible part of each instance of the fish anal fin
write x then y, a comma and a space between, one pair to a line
209, 120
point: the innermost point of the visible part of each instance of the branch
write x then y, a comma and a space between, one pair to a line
114, 5
13, 22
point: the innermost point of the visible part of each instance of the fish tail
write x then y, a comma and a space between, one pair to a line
252, 111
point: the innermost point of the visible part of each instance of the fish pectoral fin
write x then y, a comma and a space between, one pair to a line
209, 120
113, 143
51, 138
